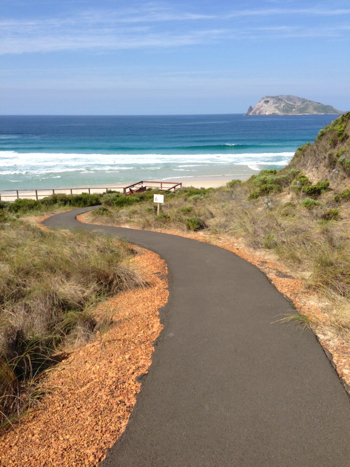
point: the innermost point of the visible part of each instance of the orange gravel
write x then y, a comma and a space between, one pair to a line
91, 394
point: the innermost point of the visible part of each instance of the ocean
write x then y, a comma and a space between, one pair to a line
68, 151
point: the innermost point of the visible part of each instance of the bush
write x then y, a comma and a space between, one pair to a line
122, 201
344, 195
317, 189
163, 218
186, 209
195, 223
102, 211
23, 205
233, 183
303, 180
345, 163
331, 214
309, 203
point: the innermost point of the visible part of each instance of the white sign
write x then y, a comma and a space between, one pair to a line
158, 199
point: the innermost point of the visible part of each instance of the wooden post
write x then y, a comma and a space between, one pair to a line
158, 209
36, 195
17, 194
161, 185
53, 192
71, 191
89, 190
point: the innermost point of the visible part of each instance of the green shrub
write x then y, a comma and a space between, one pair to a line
317, 189
309, 203
24, 205
125, 200
233, 183
254, 195
102, 211
345, 163
303, 180
186, 209
331, 214
109, 198
163, 218
344, 195
195, 223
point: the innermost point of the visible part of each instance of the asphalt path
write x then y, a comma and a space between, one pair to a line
228, 385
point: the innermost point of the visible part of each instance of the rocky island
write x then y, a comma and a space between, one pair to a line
290, 105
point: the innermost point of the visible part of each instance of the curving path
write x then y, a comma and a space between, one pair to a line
227, 387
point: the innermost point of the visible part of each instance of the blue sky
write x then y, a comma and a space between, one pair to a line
180, 57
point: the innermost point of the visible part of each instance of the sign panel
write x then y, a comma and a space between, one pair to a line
158, 199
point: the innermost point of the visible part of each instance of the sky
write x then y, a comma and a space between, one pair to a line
88, 57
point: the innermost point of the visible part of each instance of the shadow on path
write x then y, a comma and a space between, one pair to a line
227, 387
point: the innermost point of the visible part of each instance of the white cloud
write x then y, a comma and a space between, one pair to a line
102, 30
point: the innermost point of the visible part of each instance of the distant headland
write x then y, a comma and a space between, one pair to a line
290, 105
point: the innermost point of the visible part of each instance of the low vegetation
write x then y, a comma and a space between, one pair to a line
49, 285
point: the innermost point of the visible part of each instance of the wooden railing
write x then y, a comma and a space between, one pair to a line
145, 184
11, 195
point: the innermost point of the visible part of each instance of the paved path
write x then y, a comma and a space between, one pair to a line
227, 387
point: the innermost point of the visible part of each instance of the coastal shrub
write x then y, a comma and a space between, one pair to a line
191, 191
23, 205
331, 214
309, 203
265, 190
345, 163
123, 201
82, 200
195, 224
163, 218
317, 189
48, 284
233, 183
102, 211
254, 195
109, 198
303, 180
344, 195
186, 209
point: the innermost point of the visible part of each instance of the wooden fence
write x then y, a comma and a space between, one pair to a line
11, 195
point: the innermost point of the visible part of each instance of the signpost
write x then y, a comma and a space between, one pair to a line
159, 199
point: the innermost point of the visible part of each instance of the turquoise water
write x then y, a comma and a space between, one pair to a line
64, 151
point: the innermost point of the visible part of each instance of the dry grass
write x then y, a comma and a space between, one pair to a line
49, 284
